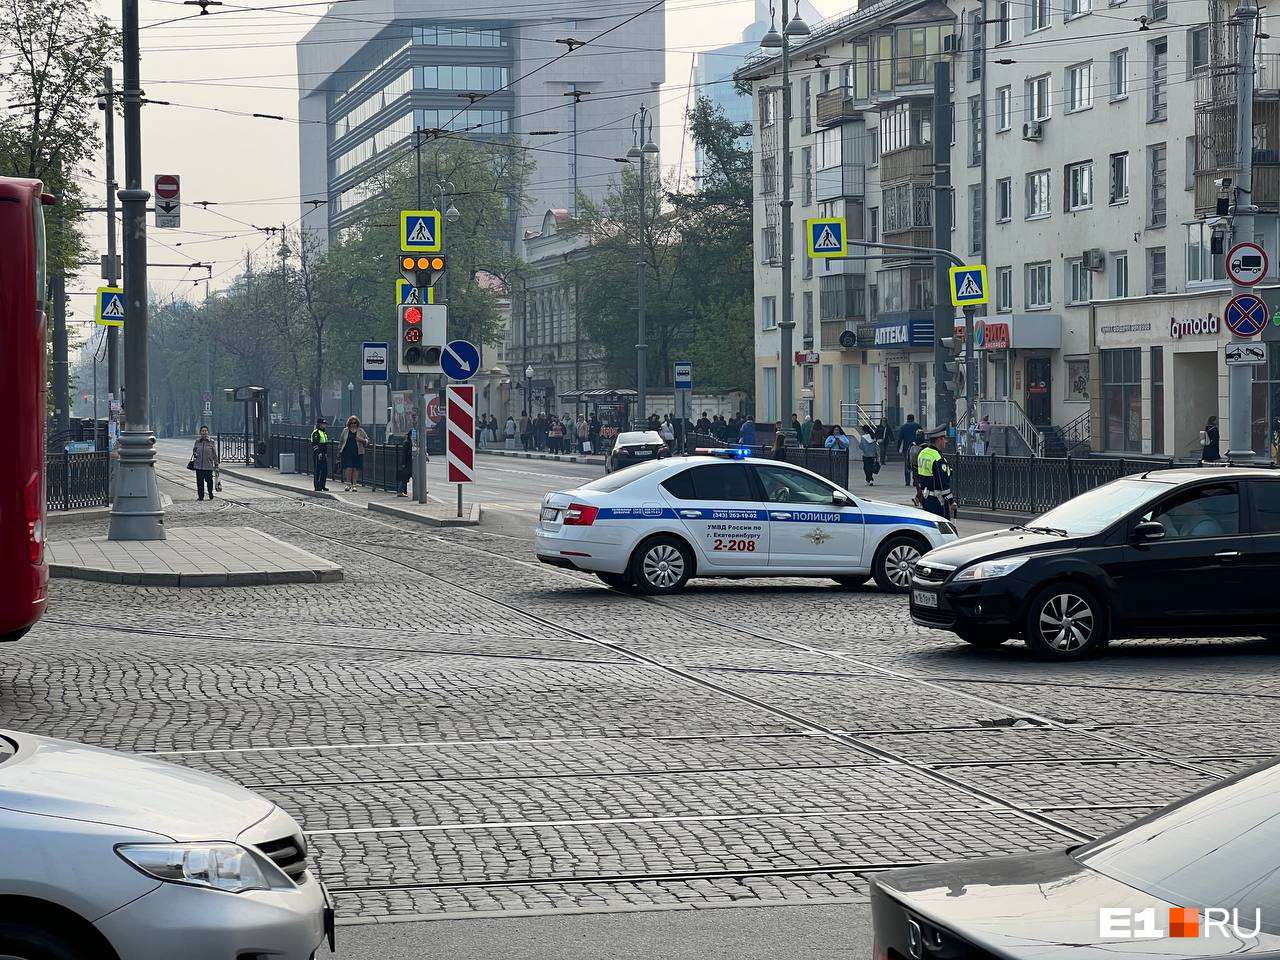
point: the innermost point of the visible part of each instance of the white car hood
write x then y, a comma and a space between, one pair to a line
58, 778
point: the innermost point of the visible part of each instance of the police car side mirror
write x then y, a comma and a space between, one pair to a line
1149, 530
840, 499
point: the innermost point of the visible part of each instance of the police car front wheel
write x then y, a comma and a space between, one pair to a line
892, 566
661, 565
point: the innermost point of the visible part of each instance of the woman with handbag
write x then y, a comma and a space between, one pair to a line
351, 444
204, 460
870, 449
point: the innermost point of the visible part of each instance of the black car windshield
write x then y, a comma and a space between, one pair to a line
1094, 511
1214, 850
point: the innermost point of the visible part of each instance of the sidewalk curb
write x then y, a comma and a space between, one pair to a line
267, 481
404, 513
993, 516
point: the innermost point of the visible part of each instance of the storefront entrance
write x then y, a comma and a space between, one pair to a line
1040, 390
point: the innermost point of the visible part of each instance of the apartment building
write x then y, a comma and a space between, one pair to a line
1088, 145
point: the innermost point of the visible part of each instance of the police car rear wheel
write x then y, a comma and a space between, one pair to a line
892, 566
852, 583
661, 565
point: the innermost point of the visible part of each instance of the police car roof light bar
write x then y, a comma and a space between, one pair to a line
736, 453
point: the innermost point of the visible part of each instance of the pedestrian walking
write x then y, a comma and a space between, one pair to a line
526, 430
913, 462
870, 450
557, 436
806, 430
509, 432
817, 434
583, 431
747, 432
935, 476
404, 465
779, 449
881, 436
320, 455
351, 446
1210, 447
839, 440
204, 460
906, 437
667, 434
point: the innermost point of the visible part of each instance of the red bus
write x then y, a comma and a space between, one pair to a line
24, 287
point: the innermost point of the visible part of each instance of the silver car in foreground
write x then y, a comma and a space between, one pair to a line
105, 856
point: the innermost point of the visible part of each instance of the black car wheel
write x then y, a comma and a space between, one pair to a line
893, 562
619, 581
661, 565
1065, 621
23, 942
984, 639
852, 583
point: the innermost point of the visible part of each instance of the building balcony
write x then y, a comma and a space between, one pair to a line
1266, 186
847, 181
836, 106
913, 163
832, 330
914, 237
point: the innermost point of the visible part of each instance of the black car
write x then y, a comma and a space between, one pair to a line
1169, 553
637, 446
1208, 861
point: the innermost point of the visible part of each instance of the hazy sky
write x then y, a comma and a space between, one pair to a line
243, 61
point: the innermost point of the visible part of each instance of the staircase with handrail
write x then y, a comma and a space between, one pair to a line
1009, 413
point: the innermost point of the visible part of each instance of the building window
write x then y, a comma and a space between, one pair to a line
1198, 48
768, 175
1078, 8
1158, 57
1080, 87
1004, 200
1189, 177
1039, 90
1079, 282
975, 220
1158, 177
1119, 165
1079, 177
1039, 15
768, 245
1004, 26
1037, 194
1078, 380
1119, 74
975, 131
807, 329
1202, 265
806, 91
1004, 289
1155, 270
1039, 286
1119, 274
769, 389
873, 224
768, 313
874, 141
1122, 399
975, 45
806, 172
1004, 109
1157, 400
767, 116
1159, 9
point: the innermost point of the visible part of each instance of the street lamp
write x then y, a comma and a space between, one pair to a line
642, 145
528, 390
351, 402
793, 28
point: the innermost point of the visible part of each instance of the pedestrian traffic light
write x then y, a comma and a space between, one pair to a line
954, 364
421, 270
421, 338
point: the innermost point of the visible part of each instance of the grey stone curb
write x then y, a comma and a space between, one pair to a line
267, 481
472, 519
246, 579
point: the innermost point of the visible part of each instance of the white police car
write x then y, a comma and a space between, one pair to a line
652, 526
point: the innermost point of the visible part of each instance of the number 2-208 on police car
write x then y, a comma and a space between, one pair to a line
652, 526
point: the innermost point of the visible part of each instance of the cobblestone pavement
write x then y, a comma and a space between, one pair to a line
462, 730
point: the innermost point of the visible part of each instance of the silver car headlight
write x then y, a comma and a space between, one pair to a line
990, 569
220, 866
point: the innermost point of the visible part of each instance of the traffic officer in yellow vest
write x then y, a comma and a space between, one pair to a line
935, 475
320, 454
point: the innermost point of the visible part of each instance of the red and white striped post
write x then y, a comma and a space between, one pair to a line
460, 444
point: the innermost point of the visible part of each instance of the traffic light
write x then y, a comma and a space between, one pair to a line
422, 270
422, 337
953, 347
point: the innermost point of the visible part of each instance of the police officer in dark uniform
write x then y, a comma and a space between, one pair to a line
320, 454
935, 475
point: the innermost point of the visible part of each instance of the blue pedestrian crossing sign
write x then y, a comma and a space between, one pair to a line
460, 360
969, 285
407, 293
420, 231
827, 236
110, 312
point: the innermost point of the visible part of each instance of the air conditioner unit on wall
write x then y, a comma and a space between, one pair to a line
1094, 259
1032, 130
951, 43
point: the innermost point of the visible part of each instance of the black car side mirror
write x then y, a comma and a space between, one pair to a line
1149, 530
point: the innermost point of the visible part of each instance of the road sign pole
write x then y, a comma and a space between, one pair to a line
1240, 378
420, 462
970, 362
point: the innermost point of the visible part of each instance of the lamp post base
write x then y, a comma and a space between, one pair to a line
136, 513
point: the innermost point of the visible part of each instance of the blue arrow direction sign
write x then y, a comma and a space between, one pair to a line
420, 231
460, 360
1246, 315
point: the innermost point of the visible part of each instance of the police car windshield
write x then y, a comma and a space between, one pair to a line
1094, 511
620, 478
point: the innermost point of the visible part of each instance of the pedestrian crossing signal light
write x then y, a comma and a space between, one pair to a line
422, 270
422, 336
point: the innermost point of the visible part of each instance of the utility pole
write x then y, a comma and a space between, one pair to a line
136, 513
944, 411
1240, 387
420, 379
642, 145
112, 273
61, 364
208, 349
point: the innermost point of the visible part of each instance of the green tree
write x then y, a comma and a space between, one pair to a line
51, 58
